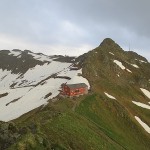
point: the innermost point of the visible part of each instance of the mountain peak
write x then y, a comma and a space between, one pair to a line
108, 42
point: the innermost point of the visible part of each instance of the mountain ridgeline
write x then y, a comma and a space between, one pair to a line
114, 115
20, 61
98, 64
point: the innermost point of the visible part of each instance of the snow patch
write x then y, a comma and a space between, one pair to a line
14, 53
109, 96
111, 53
129, 70
79, 79
19, 56
119, 64
146, 92
134, 65
40, 57
141, 105
142, 61
144, 125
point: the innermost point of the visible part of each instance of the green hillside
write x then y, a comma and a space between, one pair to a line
89, 122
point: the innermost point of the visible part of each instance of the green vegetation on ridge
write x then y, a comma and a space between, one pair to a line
96, 123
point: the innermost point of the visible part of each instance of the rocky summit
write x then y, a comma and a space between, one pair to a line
113, 115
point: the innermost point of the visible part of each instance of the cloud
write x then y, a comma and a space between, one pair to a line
65, 24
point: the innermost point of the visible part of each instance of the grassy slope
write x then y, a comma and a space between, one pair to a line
96, 123
114, 121
63, 130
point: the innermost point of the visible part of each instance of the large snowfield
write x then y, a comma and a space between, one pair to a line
34, 88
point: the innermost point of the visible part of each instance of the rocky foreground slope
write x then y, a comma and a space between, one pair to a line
114, 115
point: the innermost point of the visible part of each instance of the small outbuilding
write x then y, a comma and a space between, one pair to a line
74, 89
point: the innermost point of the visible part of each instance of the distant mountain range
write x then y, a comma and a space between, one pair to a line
115, 114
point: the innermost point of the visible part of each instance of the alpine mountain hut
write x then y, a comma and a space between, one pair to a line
74, 89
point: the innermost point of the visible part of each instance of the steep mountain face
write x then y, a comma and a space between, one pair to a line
114, 115
110, 61
120, 80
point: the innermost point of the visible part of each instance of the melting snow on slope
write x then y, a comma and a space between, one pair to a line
109, 96
69, 73
142, 61
30, 98
146, 92
40, 57
22, 100
14, 53
141, 105
6, 78
144, 125
119, 64
9, 106
79, 79
134, 65
38, 73
111, 53
129, 70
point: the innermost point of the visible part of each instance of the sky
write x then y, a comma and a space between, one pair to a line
73, 27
